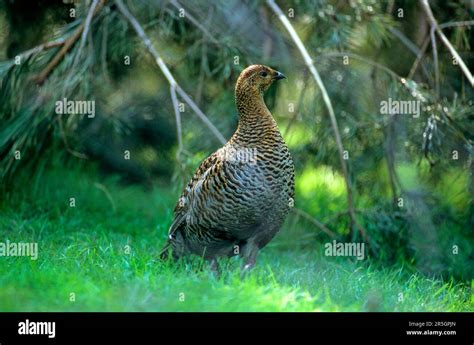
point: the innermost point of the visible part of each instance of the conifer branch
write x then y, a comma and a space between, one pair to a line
177, 114
44, 46
84, 34
435, 27
327, 101
174, 99
316, 222
193, 20
68, 44
164, 69
456, 24
419, 57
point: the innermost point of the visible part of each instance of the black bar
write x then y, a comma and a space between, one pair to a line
240, 328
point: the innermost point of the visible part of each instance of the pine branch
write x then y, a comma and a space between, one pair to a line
365, 60
193, 20
456, 24
164, 69
177, 114
103, 50
435, 27
409, 44
316, 222
435, 59
418, 58
309, 63
179, 131
41, 47
68, 44
84, 34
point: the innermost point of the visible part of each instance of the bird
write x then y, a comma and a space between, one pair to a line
239, 197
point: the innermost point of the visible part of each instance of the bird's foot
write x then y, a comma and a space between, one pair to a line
214, 265
249, 254
247, 269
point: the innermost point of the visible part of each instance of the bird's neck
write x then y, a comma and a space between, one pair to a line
256, 123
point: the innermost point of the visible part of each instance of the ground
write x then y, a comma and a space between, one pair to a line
101, 255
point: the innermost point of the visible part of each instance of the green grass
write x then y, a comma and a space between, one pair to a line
83, 251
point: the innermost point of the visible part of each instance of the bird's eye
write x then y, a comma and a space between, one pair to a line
263, 74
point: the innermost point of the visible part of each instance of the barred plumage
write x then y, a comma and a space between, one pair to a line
239, 196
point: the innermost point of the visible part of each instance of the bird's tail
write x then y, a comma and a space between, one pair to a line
166, 251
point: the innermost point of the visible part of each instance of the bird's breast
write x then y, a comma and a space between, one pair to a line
260, 175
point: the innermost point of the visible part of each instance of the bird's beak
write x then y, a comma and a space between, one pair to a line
278, 76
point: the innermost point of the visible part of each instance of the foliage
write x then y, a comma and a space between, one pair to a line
82, 250
411, 174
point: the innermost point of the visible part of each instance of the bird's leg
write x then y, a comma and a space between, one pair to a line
249, 254
214, 265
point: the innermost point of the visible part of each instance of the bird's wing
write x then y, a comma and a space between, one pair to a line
193, 191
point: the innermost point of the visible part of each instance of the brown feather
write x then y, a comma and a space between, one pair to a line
239, 196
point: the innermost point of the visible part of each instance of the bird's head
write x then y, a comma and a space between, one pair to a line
257, 79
